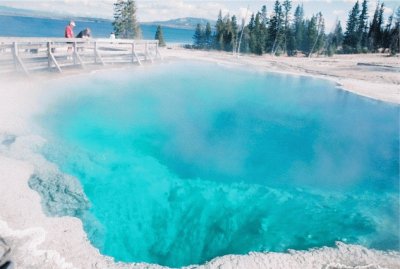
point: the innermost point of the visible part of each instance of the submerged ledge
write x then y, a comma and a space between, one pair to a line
380, 82
39, 241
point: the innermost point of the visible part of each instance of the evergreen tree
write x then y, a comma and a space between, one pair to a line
351, 37
227, 34
160, 36
320, 42
118, 23
395, 34
338, 36
386, 36
198, 37
362, 30
219, 32
375, 30
235, 32
264, 26
125, 23
258, 38
334, 40
275, 29
290, 42
251, 34
208, 36
244, 42
315, 34
264, 16
299, 27
286, 25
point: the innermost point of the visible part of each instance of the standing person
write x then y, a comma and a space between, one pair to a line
69, 33
112, 35
69, 30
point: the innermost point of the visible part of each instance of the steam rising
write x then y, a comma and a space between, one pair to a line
192, 161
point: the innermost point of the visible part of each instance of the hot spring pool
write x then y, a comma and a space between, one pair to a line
184, 162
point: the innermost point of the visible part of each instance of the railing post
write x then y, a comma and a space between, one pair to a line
15, 55
17, 60
74, 53
49, 54
95, 52
157, 51
133, 51
146, 49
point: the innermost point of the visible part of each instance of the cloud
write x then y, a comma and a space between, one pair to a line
338, 12
388, 11
163, 10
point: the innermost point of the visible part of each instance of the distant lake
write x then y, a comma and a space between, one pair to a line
44, 27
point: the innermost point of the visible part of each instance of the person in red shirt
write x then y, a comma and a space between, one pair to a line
69, 32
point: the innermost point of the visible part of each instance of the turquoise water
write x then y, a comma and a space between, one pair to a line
184, 162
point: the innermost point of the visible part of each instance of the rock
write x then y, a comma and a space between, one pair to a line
5, 250
8, 139
7, 265
62, 195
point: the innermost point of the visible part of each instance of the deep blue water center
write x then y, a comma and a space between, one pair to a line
184, 162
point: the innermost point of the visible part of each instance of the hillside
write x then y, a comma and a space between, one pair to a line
183, 23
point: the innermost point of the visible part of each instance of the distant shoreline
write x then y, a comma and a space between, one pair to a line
52, 17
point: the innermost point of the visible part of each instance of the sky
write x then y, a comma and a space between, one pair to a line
159, 10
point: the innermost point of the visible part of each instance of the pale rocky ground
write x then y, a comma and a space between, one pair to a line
39, 241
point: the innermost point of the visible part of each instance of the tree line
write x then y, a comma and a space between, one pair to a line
285, 33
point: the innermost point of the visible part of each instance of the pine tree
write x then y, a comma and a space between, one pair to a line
362, 30
375, 30
198, 37
351, 37
160, 36
386, 36
244, 42
118, 23
263, 15
228, 42
315, 34
133, 28
299, 27
235, 32
251, 34
290, 42
219, 32
395, 34
208, 36
275, 29
125, 23
320, 42
258, 38
286, 27
334, 40
264, 26
338, 36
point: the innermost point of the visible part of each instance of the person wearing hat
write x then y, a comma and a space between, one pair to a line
69, 33
69, 30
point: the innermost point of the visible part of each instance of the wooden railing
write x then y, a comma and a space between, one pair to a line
28, 55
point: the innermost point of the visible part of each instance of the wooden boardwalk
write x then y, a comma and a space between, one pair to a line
30, 55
